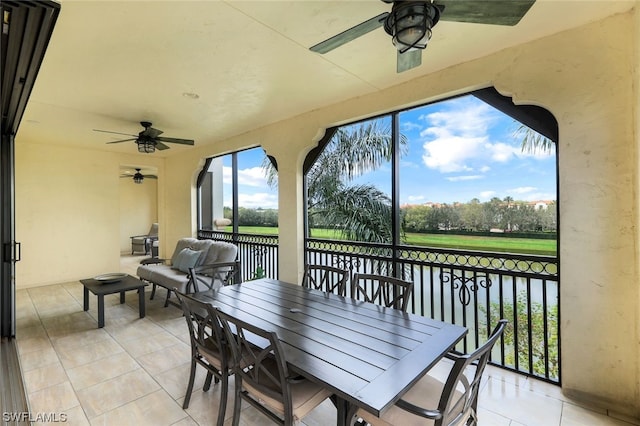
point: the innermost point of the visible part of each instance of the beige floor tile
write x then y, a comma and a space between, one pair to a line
573, 415
155, 409
522, 405
108, 395
38, 359
53, 399
80, 355
75, 417
165, 359
175, 380
102, 370
43, 377
33, 344
187, 421
132, 328
148, 344
80, 338
489, 418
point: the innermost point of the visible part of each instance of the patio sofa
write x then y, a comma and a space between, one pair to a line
190, 254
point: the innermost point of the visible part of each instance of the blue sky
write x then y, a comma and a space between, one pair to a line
458, 150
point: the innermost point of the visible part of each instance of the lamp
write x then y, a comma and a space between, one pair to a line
146, 145
138, 177
410, 23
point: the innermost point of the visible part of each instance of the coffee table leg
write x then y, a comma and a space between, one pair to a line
85, 299
141, 301
121, 297
100, 310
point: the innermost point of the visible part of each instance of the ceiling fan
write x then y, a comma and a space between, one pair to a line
410, 22
137, 176
149, 139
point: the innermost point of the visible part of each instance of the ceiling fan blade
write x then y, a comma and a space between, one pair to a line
160, 146
176, 140
151, 132
409, 59
115, 133
150, 177
350, 34
495, 12
124, 140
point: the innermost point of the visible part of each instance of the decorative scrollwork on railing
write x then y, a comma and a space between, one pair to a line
461, 283
348, 263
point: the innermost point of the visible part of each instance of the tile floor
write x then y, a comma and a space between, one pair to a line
134, 371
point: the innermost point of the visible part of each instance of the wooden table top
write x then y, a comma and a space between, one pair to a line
366, 354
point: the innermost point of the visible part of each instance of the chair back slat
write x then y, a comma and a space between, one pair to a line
387, 291
213, 276
325, 278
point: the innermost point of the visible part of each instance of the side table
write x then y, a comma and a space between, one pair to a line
100, 289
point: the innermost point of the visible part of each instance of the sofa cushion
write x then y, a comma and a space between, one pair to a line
163, 275
219, 252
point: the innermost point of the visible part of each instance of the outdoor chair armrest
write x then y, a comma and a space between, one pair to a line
419, 411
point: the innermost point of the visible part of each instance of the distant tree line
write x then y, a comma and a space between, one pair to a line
505, 215
254, 217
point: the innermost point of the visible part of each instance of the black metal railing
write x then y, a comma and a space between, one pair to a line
258, 254
472, 289
468, 288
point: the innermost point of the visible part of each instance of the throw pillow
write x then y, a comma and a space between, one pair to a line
189, 259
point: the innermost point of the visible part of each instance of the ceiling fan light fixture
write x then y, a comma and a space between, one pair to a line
146, 146
138, 177
410, 23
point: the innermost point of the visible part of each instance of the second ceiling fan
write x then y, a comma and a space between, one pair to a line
410, 22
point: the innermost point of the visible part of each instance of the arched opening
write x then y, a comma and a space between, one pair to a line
460, 197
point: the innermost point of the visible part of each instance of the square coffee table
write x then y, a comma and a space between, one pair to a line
100, 288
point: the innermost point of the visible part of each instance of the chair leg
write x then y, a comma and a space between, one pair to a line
223, 399
192, 376
237, 402
207, 382
153, 292
166, 302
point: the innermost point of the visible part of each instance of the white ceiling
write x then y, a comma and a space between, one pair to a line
208, 70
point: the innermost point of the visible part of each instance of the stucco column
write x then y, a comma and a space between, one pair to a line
290, 157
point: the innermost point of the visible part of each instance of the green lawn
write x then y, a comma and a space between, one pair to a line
463, 242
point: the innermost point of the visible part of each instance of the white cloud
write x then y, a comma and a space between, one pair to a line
253, 176
253, 201
456, 137
486, 195
521, 190
501, 152
450, 153
463, 178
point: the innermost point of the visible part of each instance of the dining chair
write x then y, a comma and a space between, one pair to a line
267, 385
208, 349
207, 277
455, 400
325, 278
214, 275
388, 291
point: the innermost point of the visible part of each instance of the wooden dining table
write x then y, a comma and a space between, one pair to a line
366, 354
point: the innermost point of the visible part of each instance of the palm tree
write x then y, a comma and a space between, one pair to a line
360, 212
533, 141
